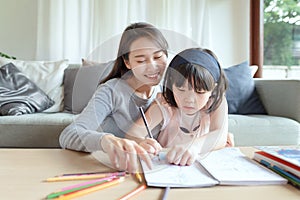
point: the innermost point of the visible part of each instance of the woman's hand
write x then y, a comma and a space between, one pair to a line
123, 153
183, 154
151, 146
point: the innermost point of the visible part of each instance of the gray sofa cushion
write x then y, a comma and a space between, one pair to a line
81, 83
263, 130
37, 130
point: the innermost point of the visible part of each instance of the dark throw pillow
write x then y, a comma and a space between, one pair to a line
81, 83
18, 94
241, 94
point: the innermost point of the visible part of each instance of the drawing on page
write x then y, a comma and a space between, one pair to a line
158, 163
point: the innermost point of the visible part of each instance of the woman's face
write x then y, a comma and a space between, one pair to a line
146, 61
188, 100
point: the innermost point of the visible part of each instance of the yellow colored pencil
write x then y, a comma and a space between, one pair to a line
83, 177
91, 189
139, 177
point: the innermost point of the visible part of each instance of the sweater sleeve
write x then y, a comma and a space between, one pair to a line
84, 133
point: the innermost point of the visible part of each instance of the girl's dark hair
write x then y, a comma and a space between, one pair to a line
198, 77
130, 34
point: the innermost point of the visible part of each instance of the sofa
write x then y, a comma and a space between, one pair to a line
280, 125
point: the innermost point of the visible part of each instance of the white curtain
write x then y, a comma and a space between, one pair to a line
91, 29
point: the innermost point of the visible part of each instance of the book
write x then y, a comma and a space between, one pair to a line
293, 179
276, 161
290, 154
227, 166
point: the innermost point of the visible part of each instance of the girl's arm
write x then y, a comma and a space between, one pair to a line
218, 131
138, 131
186, 154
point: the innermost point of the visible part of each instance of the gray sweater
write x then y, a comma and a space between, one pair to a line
112, 109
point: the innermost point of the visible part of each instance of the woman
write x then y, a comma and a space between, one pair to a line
132, 83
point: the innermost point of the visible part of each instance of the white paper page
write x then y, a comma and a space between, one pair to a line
164, 174
231, 167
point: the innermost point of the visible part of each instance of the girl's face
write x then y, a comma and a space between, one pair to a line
188, 100
146, 61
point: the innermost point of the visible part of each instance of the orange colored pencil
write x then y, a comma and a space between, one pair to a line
133, 192
91, 189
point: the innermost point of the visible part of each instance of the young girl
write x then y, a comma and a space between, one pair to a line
132, 83
193, 111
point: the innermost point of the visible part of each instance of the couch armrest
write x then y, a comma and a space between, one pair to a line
281, 97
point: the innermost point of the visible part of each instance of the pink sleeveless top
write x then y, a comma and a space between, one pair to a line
171, 134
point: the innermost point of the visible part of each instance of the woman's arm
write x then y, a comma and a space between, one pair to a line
85, 134
82, 133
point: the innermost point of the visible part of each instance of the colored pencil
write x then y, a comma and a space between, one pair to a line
85, 173
86, 183
63, 192
91, 189
122, 173
84, 177
139, 177
166, 192
133, 192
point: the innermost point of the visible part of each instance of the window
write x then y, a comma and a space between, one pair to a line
281, 39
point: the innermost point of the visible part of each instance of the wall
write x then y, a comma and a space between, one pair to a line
230, 19
18, 31
230, 29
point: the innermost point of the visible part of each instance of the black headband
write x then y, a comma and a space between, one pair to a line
198, 57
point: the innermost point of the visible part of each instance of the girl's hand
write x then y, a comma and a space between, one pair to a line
123, 153
182, 154
151, 146
230, 140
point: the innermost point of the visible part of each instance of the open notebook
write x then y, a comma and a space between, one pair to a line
227, 166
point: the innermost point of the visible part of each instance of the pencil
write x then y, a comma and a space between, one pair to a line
166, 192
83, 177
146, 125
85, 173
133, 192
86, 183
139, 177
74, 189
145, 122
91, 189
